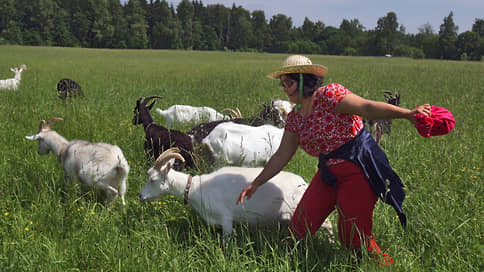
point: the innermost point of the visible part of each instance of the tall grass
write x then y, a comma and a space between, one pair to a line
42, 230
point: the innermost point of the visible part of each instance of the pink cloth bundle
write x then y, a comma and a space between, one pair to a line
440, 122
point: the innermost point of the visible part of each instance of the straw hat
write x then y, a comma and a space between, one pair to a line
298, 64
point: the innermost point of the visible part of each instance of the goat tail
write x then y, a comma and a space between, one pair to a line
122, 169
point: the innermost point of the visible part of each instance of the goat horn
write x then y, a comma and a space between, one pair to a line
166, 156
238, 113
52, 121
146, 100
41, 126
235, 113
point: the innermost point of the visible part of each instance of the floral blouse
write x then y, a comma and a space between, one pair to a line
324, 130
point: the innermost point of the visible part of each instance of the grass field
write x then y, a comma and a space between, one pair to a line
41, 230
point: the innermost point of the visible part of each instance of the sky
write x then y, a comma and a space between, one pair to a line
412, 14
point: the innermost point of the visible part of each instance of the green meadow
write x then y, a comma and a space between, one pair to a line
43, 229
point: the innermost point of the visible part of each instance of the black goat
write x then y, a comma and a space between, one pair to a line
269, 115
159, 138
379, 127
67, 88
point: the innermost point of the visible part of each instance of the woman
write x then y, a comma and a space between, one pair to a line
353, 170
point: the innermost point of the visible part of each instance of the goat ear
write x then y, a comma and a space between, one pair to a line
33, 137
168, 166
11, 69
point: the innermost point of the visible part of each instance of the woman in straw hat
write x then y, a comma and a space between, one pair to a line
353, 171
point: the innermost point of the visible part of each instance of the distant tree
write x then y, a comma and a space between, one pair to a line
387, 33
261, 35
79, 24
240, 28
102, 29
478, 27
118, 38
302, 47
371, 45
12, 33
218, 19
62, 35
185, 12
208, 39
7, 13
336, 40
427, 41
319, 30
349, 51
137, 37
199, 11
468, 43
352, 28
351, 33
426, 30
167, 35
309, 31
197, 35
448, 38
161, 16
281, 27
38, 21
431, 47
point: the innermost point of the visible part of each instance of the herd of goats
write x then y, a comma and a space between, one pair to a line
229, 138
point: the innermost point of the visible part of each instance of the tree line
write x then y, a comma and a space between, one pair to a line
155, 24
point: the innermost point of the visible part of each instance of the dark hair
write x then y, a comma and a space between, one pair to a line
311, 83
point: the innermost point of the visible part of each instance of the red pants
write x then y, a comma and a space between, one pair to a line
352, 196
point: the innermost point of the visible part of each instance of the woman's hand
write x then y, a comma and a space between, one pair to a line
283, 155
247, 193
424, 109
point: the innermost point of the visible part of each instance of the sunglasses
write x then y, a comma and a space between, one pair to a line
287, 82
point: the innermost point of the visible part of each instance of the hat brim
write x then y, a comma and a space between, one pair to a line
315, 69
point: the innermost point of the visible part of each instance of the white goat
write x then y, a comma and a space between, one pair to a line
241, 144
285, 107
95, 165
12, 83
214, 195
190, 114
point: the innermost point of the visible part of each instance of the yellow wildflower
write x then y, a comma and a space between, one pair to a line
26, 228
6, 214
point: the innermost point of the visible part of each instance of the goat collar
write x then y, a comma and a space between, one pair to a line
187, 190
148, 126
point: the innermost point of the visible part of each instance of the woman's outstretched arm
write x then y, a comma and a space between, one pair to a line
354, 104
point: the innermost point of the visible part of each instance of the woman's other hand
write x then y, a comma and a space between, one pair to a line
247, 193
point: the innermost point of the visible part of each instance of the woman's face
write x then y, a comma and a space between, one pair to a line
290, 88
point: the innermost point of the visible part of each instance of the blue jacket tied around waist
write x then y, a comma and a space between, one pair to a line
365, 152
